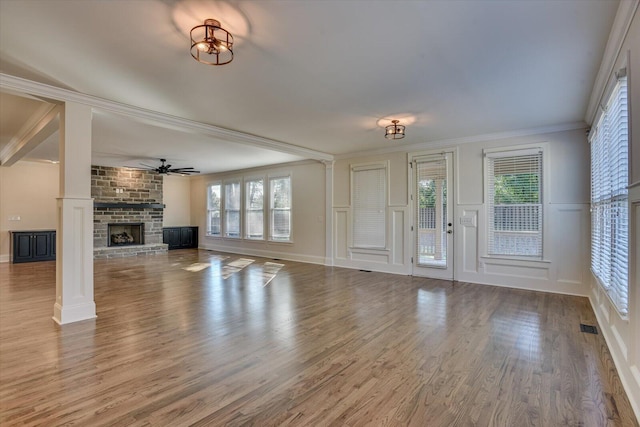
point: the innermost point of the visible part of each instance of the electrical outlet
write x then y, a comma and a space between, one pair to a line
14, 218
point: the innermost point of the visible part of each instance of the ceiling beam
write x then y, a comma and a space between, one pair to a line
41, 90
40, 126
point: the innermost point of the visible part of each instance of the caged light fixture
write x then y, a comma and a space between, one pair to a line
211, 44
394, 130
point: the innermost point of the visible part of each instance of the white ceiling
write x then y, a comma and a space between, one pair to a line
323, 75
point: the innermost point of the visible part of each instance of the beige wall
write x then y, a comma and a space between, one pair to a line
27, 190
308, 211
177, 199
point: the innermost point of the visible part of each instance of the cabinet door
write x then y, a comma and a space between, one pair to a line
171, 236
187, 239
21, 247
41, 245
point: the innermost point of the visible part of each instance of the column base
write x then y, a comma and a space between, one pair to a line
74, 313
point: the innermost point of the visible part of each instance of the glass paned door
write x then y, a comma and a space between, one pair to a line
433, 217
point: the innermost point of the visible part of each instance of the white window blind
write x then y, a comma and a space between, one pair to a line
515, 203
369, 207
214, 198
254, 209
232, 209
609, 198
280, 209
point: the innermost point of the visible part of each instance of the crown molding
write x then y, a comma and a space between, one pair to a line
619, 30
57, 95
465, 140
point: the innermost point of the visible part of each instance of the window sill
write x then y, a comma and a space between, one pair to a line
514, 260
280, 242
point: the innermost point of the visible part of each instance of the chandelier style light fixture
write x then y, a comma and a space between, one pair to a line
394, 130
211, 44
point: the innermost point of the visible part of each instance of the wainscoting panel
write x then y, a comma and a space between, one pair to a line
373, 256
571, 243
468, 228
340, 238
514, 271
394, 259
398, 221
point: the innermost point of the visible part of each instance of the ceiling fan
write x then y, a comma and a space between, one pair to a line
165, 169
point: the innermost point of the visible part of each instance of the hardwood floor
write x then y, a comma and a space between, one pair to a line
313, 346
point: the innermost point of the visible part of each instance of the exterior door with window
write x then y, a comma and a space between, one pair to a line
433, 216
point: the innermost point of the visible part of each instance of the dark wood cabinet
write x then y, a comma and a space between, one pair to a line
180, 237
30, 246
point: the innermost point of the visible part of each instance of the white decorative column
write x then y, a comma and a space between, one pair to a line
328, 216
74, 244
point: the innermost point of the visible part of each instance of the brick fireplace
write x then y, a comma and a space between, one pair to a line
123, 197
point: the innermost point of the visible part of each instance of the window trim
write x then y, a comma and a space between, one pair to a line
514, 150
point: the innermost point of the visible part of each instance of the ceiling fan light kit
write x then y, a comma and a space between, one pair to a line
394, 130
211, 44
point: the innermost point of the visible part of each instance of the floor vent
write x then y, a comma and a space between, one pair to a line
589, 329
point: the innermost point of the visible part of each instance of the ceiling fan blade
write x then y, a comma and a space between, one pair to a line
183, 172
149, 166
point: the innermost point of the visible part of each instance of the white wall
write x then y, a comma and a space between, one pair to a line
623, 334
27, 190
177, 199
308, 210
566, 247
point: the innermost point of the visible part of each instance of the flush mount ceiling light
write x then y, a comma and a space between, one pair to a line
211, 44
394, 130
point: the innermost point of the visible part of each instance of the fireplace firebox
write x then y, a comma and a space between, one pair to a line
123, 234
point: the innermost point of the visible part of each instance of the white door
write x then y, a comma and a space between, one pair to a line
433, 216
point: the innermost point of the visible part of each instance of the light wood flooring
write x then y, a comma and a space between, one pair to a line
315, 346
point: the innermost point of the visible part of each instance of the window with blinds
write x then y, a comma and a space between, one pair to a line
369, 207
609, 198
280, 209
515, 203
232, 209
254, 209
214, 198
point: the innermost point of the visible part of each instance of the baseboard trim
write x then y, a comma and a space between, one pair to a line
5, 258
265, 253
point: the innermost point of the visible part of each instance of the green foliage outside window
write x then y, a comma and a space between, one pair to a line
516, 189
